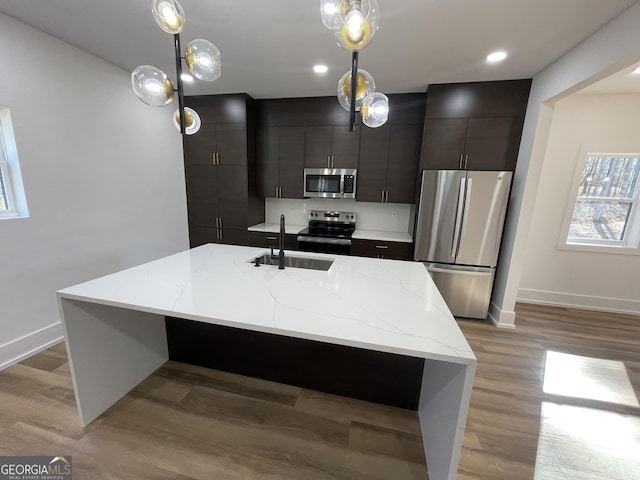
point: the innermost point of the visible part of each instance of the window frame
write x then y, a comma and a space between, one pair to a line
5, 178
630, 243
10, 165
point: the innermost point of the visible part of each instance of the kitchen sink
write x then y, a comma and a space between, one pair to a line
294, 262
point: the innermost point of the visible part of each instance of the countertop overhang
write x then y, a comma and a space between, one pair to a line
383, 305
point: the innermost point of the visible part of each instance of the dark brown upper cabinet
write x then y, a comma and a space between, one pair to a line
331, 147
474, 125
388, 164
217, 144
281, 162
473, 144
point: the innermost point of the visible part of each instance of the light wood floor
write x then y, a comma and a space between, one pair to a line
186, 422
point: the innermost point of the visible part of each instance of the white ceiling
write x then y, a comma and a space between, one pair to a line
269, 47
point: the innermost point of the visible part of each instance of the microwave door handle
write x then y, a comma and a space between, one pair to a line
459, 211
341, 184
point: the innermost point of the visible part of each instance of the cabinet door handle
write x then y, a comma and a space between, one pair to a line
213, 158
460, 161
220, 222
220, 238
217, 159
279, 192
466, 159
383, 247
382, 196
386, 196
272, 238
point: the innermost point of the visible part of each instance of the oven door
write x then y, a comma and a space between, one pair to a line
340, 246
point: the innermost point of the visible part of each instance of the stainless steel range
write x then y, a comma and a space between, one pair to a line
328, 232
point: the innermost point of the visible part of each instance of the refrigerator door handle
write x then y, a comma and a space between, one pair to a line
471, 272
459, 211
465, 216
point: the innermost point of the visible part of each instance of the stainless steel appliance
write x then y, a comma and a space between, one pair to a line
458, 232
328, 232
330, 182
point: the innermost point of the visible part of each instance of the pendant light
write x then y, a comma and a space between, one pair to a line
152, 86
354, 24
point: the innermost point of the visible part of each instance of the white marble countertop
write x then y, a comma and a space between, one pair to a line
403, 237
383, 305
275, 228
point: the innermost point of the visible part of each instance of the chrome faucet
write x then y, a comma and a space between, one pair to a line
281, 253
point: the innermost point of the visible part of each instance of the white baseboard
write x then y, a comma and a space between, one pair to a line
501, 318
17, 350
584, 302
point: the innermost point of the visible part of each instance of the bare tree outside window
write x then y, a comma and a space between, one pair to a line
607, 194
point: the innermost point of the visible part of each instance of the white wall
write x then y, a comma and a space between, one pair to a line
103, 177
603, 281
614, 46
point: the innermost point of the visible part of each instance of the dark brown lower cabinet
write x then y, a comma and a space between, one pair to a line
378, 377
382, 249
268, 240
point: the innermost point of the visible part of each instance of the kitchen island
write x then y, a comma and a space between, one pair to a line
115, 325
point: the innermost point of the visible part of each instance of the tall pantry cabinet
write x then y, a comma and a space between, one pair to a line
220, 165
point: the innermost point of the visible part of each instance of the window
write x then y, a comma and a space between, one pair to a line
12, 200
606, 211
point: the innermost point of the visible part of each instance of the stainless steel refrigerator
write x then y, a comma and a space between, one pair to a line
458, 231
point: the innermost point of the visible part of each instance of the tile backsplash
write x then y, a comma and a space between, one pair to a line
386, 217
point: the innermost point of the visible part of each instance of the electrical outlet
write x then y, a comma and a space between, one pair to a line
394, 214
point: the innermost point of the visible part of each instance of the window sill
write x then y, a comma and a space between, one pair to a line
595, 248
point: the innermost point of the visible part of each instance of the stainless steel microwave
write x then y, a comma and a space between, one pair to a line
330, 182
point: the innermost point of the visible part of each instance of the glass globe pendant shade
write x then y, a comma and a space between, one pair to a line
203, 60
169, 15
152, 86
364, 86
358, 23
191, 120
375, 110
330, 13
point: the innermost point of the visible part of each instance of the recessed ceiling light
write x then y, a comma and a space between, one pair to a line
496, 57
320, 68
186, 77
636, 71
